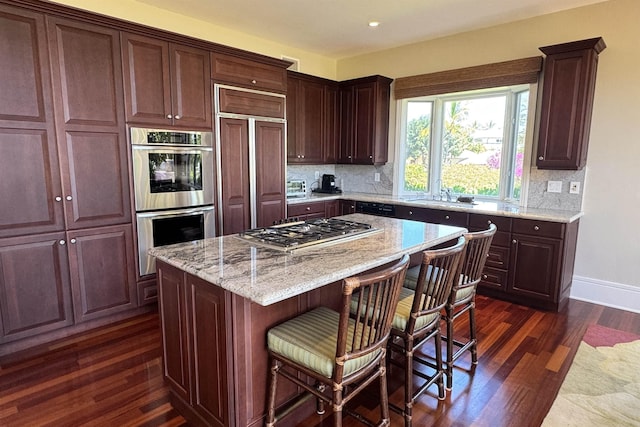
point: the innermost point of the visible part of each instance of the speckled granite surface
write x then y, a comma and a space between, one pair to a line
266, 276
491, 208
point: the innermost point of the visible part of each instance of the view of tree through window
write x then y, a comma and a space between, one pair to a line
466, 145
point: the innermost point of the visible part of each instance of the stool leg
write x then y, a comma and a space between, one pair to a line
472, 332
384, 396
408, 381
440, 373
337, 406
449, 364
273, 382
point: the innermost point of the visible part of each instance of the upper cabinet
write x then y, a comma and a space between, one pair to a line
250, 74
567, 100
311, 119
166, 84
364, 127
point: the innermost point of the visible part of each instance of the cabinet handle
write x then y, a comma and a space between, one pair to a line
535, 227
169, 116
62, 242
541, 158
69, 198
177, 117
446, 217
58, 199
73, 241
253, 82
514, 241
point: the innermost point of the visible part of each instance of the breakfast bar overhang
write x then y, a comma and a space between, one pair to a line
218, 297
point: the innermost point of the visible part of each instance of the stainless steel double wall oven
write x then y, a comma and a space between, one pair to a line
174, 190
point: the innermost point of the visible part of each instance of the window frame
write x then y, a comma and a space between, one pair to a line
509, 134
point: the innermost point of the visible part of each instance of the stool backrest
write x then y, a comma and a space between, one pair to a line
438, 271
475, 257
374, 296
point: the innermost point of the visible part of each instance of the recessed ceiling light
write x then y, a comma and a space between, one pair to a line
373, 24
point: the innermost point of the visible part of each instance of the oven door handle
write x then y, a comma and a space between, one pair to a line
175, 212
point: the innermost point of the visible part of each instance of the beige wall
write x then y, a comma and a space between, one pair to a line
131, 10
609, 239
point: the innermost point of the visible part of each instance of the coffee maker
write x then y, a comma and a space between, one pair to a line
328, 185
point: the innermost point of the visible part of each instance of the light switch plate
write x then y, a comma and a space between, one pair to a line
554, 186
376, 177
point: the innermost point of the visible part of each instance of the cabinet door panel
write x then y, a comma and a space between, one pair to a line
332, 124
24, 69
364, 104
234, 164
103, 279
87, 73
97, 179
34, 286
211, 342
251, 103
310, 121
270, 185
190, 89
175, 337
146, 79
534, 267
247, 73
28, 192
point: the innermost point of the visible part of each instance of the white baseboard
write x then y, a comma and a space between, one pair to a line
610, 294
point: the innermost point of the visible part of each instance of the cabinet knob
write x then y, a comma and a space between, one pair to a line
308, 208
541, 158
514, 241
302, 156
298, 156
484, 276
69, 198
73, 241
371, 157
177, 117
446, 217
489, 222
535, 227
348, 157
410, 212
253, 82
58, 199
62, 242
169, 116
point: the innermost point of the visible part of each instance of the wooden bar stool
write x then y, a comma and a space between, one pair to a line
417, 320
463, 297
341, 353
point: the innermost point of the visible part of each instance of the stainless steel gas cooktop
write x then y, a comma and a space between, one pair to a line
295, 235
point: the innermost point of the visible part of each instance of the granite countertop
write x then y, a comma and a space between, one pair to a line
490, 208
266, 276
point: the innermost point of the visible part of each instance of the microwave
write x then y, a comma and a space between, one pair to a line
296, 188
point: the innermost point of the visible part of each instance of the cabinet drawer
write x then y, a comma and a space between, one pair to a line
498, 257
412, 213
305, 209
494, 278
482, 222
251, 103
247, 73
539, 228
460, 219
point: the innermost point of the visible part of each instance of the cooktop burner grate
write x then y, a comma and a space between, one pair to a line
306, 233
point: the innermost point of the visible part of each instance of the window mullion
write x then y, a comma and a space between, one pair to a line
435, 164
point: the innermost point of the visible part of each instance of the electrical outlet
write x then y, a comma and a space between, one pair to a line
317, 174
574, 187
554, 186
376, 177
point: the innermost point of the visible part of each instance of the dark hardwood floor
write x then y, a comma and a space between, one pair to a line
112, 376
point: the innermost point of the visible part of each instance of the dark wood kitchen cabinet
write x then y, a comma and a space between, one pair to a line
364, 115
35, 295
268, 74
166, 84
347, 207
102, 265
312, 119
193, 316
305, 211
567, 101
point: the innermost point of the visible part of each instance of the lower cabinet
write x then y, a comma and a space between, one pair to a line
316, 209
347, 207
55, 280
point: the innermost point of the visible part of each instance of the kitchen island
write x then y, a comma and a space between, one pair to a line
218, 297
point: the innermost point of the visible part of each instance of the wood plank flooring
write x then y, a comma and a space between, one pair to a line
112, 376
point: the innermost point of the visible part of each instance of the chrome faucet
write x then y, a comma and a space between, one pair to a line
447, 192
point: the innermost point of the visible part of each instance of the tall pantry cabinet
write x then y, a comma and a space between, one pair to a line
65, 220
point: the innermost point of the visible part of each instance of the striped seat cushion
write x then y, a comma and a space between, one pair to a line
411, 282
311, 340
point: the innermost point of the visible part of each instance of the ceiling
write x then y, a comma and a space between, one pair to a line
339, 28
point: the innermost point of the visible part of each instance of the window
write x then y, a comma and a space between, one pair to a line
466, 143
